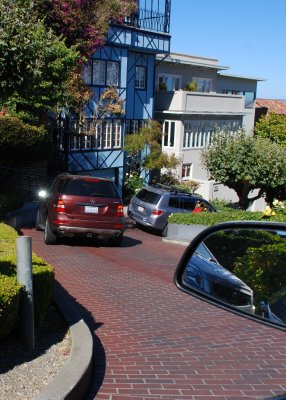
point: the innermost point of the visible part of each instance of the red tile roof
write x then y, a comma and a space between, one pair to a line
277, 106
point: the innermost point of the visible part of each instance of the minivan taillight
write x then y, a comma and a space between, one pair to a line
119, 211
158, 212
59, 207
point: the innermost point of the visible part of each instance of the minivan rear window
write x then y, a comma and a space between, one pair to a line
148, 197
93, 188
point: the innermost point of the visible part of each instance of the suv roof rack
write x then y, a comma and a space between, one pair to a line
172, 189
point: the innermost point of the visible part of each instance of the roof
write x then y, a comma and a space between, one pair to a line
186, 59
252, 78
277, 106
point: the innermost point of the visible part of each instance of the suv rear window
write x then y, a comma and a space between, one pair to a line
148, 197
90, 187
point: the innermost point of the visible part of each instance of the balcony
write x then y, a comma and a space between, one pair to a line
183, 102
151, 16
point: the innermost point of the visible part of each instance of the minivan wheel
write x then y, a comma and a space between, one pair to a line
164, 232
115, 241
50, 237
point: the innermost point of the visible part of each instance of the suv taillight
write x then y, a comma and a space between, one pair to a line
119, 211
59, 207
158, 212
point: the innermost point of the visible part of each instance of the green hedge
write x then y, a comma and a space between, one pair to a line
10, 292
43, 279
22, 140
212, 218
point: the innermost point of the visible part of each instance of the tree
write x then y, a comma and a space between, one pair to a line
147, 147
35, 64
273, 127
43, 46
84, 23
245, 163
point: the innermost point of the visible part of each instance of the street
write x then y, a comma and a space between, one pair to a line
152, 341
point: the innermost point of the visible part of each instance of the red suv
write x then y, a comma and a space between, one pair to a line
81, 206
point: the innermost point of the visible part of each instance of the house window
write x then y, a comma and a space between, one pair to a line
134, 125
140, 78
106, 134
169, 82
98, 72
169, 134
186, 171
199, 133
204, 85
112, 73
103, 73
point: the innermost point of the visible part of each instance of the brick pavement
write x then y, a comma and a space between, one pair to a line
153, 341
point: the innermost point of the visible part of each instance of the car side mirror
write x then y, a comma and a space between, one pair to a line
240, 266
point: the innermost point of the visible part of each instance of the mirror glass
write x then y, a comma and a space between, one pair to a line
242, 268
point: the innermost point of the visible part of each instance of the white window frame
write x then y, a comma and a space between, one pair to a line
140, 77
168, 133
204, 84
116, 135
173, 82
187, 171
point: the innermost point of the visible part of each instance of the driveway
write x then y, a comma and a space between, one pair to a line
153, 341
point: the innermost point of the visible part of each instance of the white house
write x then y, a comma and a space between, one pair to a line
191, 115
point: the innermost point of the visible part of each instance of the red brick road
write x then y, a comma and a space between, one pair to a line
151, 340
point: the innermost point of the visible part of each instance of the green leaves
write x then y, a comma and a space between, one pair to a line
273, 127
147, 142
245, 163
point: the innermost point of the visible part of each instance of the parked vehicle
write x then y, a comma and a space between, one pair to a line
84, 206
152, 205
255, 251
204, 273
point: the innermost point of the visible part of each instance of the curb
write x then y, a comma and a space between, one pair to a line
73, 380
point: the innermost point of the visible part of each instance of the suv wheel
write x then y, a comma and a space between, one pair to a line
115, 241
40, 224
50, 237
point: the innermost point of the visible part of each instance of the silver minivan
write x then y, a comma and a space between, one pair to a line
152, 205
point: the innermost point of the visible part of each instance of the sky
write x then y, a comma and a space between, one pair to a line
248, 36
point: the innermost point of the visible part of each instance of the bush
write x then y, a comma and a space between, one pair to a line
212, 218
263, 269
23, 141
10, 292
228, 246
43, 278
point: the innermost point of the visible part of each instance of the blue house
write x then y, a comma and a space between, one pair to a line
127, 64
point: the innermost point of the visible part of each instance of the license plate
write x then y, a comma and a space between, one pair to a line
91, 210
141, 209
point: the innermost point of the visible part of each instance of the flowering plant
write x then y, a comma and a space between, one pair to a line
277, 207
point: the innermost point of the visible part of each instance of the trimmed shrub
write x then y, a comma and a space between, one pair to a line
10, 292
43, 276
212, 218
43, 280
23, 141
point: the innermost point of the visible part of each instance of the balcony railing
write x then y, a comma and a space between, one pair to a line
152, 16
